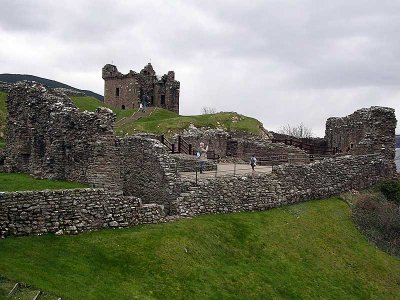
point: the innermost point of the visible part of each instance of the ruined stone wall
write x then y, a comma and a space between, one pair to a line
162, 91
148, 171
128, 92
368, 130
286, 185
216, 139
47, 136
72, 211
265, 150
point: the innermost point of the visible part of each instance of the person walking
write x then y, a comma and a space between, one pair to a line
202, 156
253, 161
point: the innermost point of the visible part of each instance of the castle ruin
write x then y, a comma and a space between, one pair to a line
125, 91
135, 179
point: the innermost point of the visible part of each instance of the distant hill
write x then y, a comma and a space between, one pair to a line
13, 78
397, 141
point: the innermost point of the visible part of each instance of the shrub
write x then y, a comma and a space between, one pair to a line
391, 190
379, 220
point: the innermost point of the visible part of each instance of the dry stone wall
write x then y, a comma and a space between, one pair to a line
49, 137
286, 185
368, 130
72, 211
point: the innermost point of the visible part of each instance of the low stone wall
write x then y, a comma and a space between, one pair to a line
190, 163
287, 184
72, 211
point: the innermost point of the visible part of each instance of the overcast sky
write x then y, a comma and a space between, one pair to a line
282, 62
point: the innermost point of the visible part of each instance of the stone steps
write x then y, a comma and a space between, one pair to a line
19, 290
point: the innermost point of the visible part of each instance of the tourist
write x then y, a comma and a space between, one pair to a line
253, 161
144, 100
202, 156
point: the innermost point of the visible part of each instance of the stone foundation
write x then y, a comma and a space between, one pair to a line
72, 211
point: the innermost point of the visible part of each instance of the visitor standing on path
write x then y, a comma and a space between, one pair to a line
144, 100
202, 156
253, 161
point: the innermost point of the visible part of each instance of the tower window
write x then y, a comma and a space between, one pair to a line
117, 92
123, 106
162, 100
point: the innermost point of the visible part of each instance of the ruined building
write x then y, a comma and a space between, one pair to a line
124, 91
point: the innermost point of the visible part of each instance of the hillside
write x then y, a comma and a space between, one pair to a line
164, 121
305, 251
13, 78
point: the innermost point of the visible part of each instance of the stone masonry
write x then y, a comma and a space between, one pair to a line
72, 211
286, 185
124, 91
367, 130
49, 137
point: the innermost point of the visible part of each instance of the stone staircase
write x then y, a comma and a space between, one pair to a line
18, 290
136, 116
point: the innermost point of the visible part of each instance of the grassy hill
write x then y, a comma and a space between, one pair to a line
165, 121
306, 251
13, 78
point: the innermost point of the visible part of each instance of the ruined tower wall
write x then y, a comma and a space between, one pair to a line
49, 137
122, 92
148, 171
162, 91
368, 130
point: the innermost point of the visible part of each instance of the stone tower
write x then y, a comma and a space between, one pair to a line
124, 91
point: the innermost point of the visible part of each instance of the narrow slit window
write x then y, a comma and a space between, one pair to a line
117, 92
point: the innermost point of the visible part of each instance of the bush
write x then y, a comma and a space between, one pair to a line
391, 190
379, 220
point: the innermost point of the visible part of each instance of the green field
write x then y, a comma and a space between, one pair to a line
11, 182
305, 251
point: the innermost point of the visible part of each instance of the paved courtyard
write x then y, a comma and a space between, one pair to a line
228, 170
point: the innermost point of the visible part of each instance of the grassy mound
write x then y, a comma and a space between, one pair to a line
91, 103
305, 251
167, 122
12, 182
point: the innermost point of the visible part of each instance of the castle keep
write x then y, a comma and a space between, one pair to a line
124, 91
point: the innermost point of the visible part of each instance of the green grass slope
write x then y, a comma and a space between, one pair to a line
91, 103
164, 121
305, 251
12, 182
